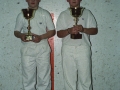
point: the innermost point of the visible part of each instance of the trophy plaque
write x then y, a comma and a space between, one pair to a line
28, 14
76, 12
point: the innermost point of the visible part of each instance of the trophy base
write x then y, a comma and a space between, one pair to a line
29, 37
76, 36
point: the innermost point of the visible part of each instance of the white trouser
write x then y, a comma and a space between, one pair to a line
36, 56
76, 62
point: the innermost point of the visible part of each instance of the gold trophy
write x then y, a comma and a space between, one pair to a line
76, 12
28, 14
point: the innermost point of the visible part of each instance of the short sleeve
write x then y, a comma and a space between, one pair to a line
92, 21
60, 25
49, 21
19, 22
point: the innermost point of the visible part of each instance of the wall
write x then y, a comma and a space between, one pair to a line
105, 45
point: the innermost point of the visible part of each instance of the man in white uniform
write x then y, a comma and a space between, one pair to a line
35, 53
76, 53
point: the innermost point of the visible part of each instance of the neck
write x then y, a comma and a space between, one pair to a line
74, 6
33, 8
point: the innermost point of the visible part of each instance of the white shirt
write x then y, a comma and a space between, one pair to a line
39, 23
66, 20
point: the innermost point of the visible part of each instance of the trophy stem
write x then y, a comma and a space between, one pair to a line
29, 32
76, 20
29, 22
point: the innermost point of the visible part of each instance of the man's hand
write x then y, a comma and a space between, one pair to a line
36, 38
80, 28
23, 37
76, 29
20, 35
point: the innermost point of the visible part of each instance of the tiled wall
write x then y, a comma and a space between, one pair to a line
105, 45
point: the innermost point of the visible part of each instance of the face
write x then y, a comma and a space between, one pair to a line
33, 4
74, 3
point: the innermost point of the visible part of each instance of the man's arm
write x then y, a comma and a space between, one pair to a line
37, 38
17, 34
48, 34
91, 31
20, 35
63, 33
75, 30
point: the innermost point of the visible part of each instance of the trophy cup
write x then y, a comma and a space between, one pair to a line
76, 12
28, 14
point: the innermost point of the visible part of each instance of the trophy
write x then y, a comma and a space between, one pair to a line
76, 12
28, 14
